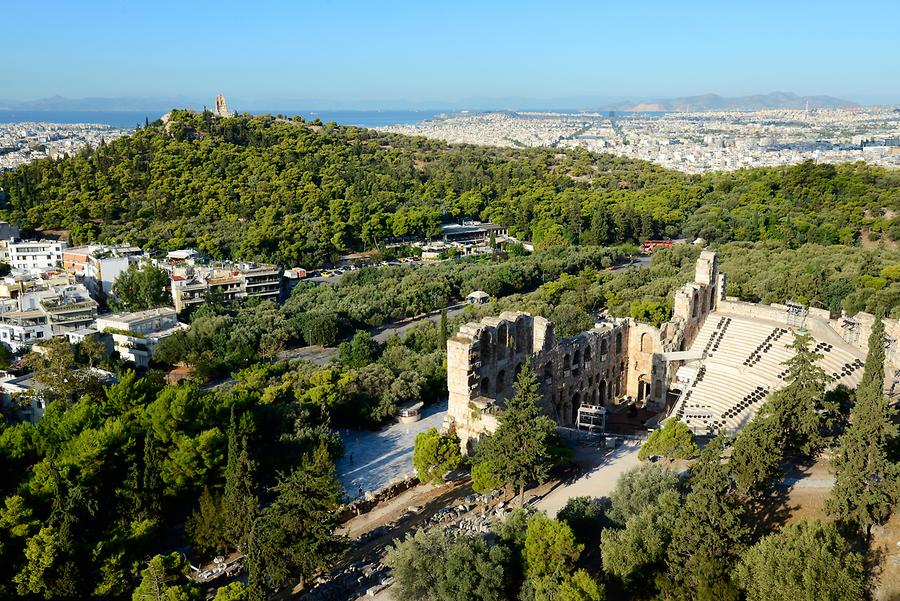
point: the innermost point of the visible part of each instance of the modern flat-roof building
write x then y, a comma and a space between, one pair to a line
135, 334
19, 283
98, 265
231, 282
472, 232
43, 314
35, 254
28, 387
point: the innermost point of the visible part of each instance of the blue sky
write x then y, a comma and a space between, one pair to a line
444, 53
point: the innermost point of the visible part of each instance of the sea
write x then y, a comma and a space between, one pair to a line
130, 119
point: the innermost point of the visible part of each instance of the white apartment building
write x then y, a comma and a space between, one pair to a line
43, 314
232, 282
135, 334
35, 254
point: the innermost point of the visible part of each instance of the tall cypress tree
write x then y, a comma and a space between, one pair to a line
239, 504
445, 333
150, 497
708, 534
800, 407
873, 372
519, 453
866, 485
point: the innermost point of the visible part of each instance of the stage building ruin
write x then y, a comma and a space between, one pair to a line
617, 359
711, 365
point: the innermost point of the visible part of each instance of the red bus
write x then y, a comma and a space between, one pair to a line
649, 246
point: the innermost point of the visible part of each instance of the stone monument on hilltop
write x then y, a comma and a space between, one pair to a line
222, 107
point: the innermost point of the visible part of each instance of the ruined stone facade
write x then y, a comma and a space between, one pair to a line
617, 358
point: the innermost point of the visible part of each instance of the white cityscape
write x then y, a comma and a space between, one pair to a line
690, 142
22, 143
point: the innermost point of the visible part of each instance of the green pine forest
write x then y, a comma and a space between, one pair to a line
269, 188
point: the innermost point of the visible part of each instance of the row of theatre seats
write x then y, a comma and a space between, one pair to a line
743, 361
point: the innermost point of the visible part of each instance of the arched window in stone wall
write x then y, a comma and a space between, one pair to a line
501, 381
587, 353
618, 342
521, 335
603, 390
485, 385
487, 347
502, 337
646, 343
694, 304
604, 347
567, 362
576, 358
548, 369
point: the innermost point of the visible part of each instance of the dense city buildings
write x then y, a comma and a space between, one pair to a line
690, 142
22, 143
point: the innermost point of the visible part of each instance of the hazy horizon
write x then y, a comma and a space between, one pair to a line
574, 103
362, 55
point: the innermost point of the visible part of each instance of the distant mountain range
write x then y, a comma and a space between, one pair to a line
705, 102
714, 102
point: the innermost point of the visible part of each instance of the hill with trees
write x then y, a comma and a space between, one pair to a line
266, 187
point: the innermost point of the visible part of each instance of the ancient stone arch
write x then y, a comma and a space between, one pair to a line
502, 337
486, 346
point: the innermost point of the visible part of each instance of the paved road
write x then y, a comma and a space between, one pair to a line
322, 355
398, 328
598, 478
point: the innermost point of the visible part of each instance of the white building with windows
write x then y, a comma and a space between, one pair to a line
27, 255
135, 334
43, 314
